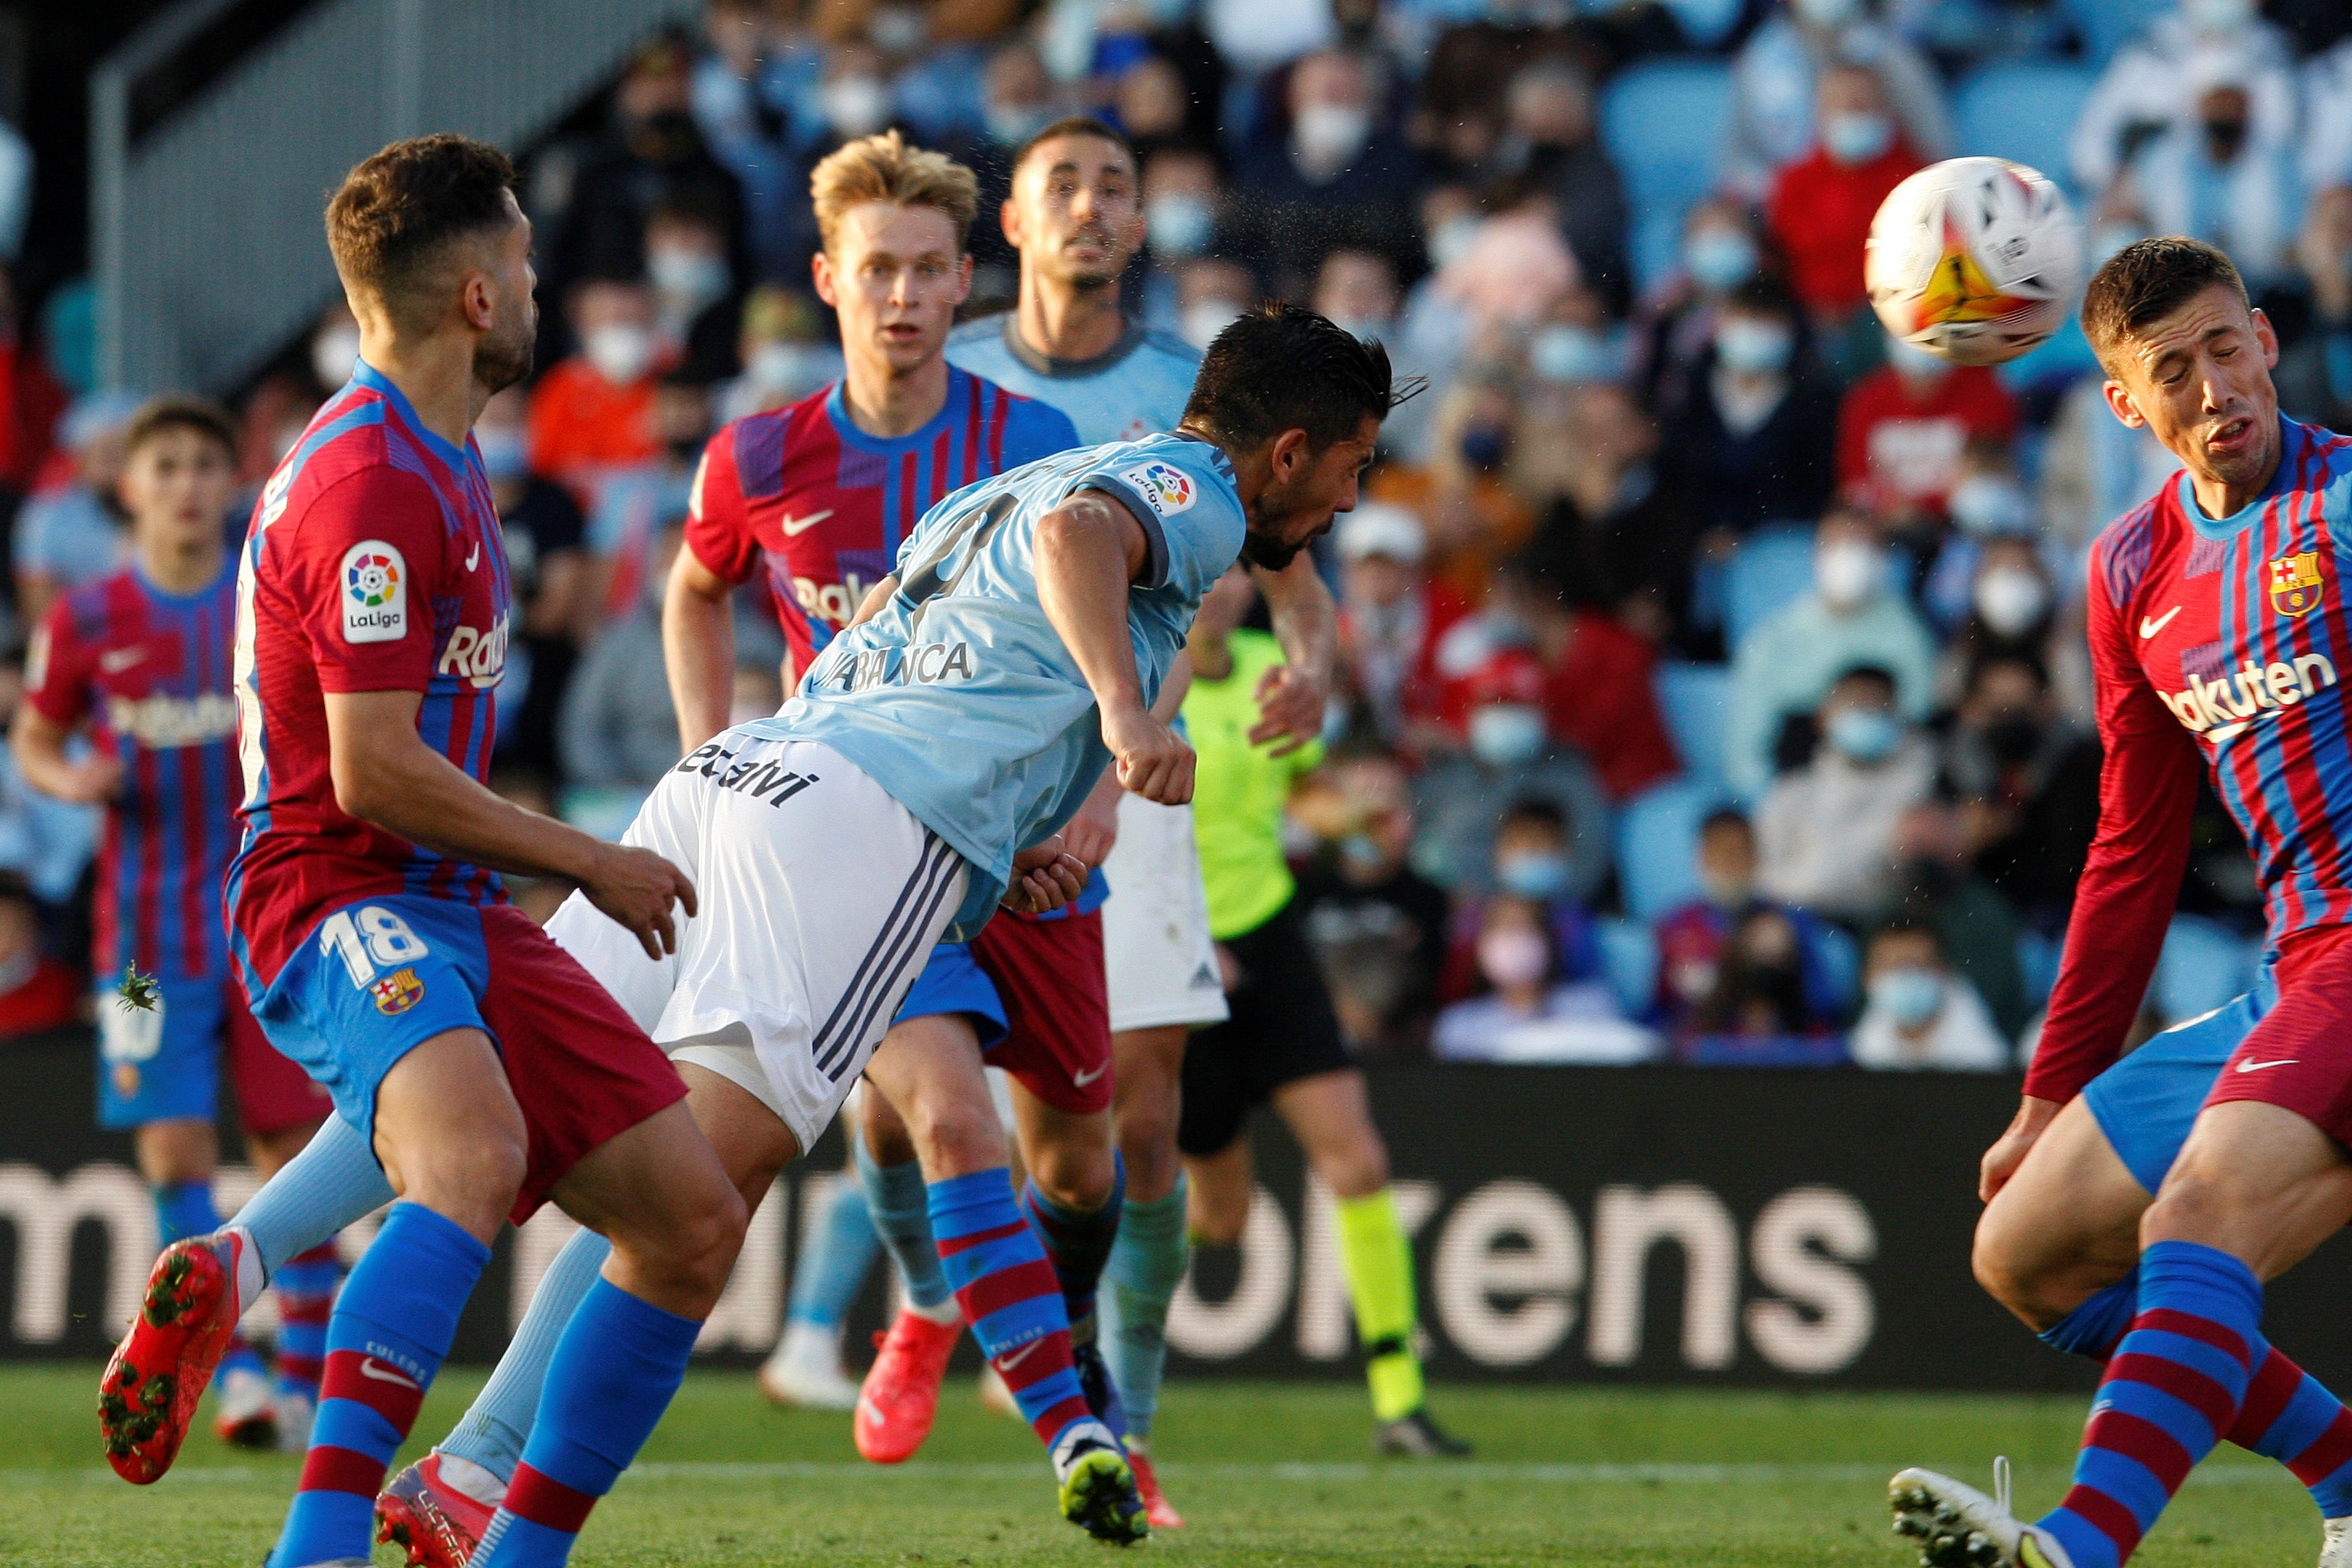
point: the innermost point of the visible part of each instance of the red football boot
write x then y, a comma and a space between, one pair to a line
148, 1398
424, 1516
901, 1396
1158, 1511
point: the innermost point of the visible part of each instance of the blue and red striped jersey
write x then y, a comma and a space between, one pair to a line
149, 671
2219, 645
374, 564
823, 506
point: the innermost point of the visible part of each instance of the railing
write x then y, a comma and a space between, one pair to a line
206, 231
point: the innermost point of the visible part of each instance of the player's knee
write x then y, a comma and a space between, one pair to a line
1217, 1219
698, 1242
2005, 1275
1355, 1169
1079, 1179
953, 1135
472, 1180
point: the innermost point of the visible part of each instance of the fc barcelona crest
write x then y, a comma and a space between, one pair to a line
397, 992
2295, 584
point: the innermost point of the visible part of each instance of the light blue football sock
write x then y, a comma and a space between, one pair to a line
496, 1426
1147, 1264
840, 1252
899, 1202
334, 1182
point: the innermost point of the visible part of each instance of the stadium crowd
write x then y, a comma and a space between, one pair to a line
1714, 685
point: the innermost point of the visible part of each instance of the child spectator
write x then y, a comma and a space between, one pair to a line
1392, 620
1377, 926
1827, 830
1461, 796
1528, 1013
1919, 1013
1694, 939
1759, 1010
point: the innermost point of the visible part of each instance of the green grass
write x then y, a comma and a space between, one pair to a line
1268, 1474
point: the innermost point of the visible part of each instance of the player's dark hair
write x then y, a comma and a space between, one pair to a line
1077, 125
1909, 925
178, 411
398, 213
1283, 367
1725, 817
1876, 675
1534, 811
2145, 281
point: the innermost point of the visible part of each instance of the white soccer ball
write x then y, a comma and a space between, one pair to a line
1977, 260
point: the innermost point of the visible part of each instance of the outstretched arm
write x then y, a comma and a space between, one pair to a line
1088, 550
1291, 696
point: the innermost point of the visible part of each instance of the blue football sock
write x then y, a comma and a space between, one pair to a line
496, 1426
392, 1327
2093, 1328
614, 1373
840, 1251
332, 1182
897, 1198
306, 1301
184, 1209
1079, 1242
1147, 1264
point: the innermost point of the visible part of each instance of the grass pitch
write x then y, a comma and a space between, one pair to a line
1269, 1474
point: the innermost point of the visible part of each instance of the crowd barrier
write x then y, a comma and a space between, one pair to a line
1764, 1228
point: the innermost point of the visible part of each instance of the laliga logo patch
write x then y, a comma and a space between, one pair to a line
375, 592
1167, 490
2296, 583
397, 992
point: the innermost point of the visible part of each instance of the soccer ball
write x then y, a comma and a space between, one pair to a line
1974, 259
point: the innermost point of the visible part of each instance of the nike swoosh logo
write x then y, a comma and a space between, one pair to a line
2149, 628
120, 659
1012, 1359
475, 559
371, 1367
796, 526
1083, 1079
2257, 1067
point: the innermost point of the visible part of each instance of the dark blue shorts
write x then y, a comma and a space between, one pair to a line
2146, 1102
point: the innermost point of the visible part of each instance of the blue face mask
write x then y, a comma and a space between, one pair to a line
1482, 447
1857, 136
1179, 223
1541, 875
503, 456
1864, 735
1564, 353
1506, 734
1909, 995
1719, 259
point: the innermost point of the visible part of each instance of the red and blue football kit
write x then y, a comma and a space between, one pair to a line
149, 672
804, 497
374, 563
2223, 645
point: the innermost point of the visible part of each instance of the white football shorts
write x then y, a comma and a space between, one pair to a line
820, 900
1163, 965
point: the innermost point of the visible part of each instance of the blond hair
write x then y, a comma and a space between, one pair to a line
885, 169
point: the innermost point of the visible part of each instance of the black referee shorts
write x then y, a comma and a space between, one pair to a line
1282, 1029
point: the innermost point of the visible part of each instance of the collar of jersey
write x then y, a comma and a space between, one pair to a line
836, 408
2290, 440
1063, 369
148, 585
375, 380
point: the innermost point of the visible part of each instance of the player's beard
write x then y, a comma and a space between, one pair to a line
1269, 551
504, 358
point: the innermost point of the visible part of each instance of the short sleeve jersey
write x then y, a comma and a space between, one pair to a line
1239, 791
373, 564
149, 672
1139, 388
817, 509
959, 698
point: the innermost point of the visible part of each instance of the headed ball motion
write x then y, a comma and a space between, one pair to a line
1974, 259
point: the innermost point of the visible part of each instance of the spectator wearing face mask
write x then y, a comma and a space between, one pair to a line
1821, 205
633, 504
618, 733
740, 93
1851, 617
1753, 443
591, 415
2327, 117
1693, 938
2028, 786
1529, 1014
1181, 191
1377, 927
1530, 861
547, 564
1617, 536
1336, 177
697, 307
653, 157
1211, 292
2151, 83
1551, 143
1462, 796
2314, 376
1758, 1012
1473, 517
2207, 176
1722, 248
1826, 831
1920, 1015
2010, 611
1938, 883
72, 531
1903, 429
783, 353
1775, 77
1392, 620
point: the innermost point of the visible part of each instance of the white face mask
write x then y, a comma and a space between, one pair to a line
2009, 600
620, 351
1505, 734
1513, 957
1857, 136
1331, 134
1450, 240
856, 105
1179, 223
691, 277
1752, 344
334, 355
1827, 15
1914, 363
1202, 320
1562, 352
2217, 16
787, 367
1990, 504
1848, 572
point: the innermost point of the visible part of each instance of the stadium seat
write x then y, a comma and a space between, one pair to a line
2203, 965
1629, 955
1657, 847
1841, 958
1773, 568
1664, 124
2023, 112
2108, 24
2037, 965
1691, 699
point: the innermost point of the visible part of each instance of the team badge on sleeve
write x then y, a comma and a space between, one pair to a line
2296, 583
375, 592
1167, 489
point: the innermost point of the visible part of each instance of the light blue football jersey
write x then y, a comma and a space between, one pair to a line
1138, 389
959, 697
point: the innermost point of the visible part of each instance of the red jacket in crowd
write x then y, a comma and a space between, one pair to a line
1899, 442
1819, 212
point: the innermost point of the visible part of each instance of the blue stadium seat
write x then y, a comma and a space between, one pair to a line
1664, 124
1629, 953
2023, 112
1773, 568
2204, 965
1691, 699
1657, 847
1841, 958
2037, 964
2108, 24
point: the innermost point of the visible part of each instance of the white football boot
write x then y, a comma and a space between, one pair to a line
2336, 1543
1958, 1526
805, 1371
